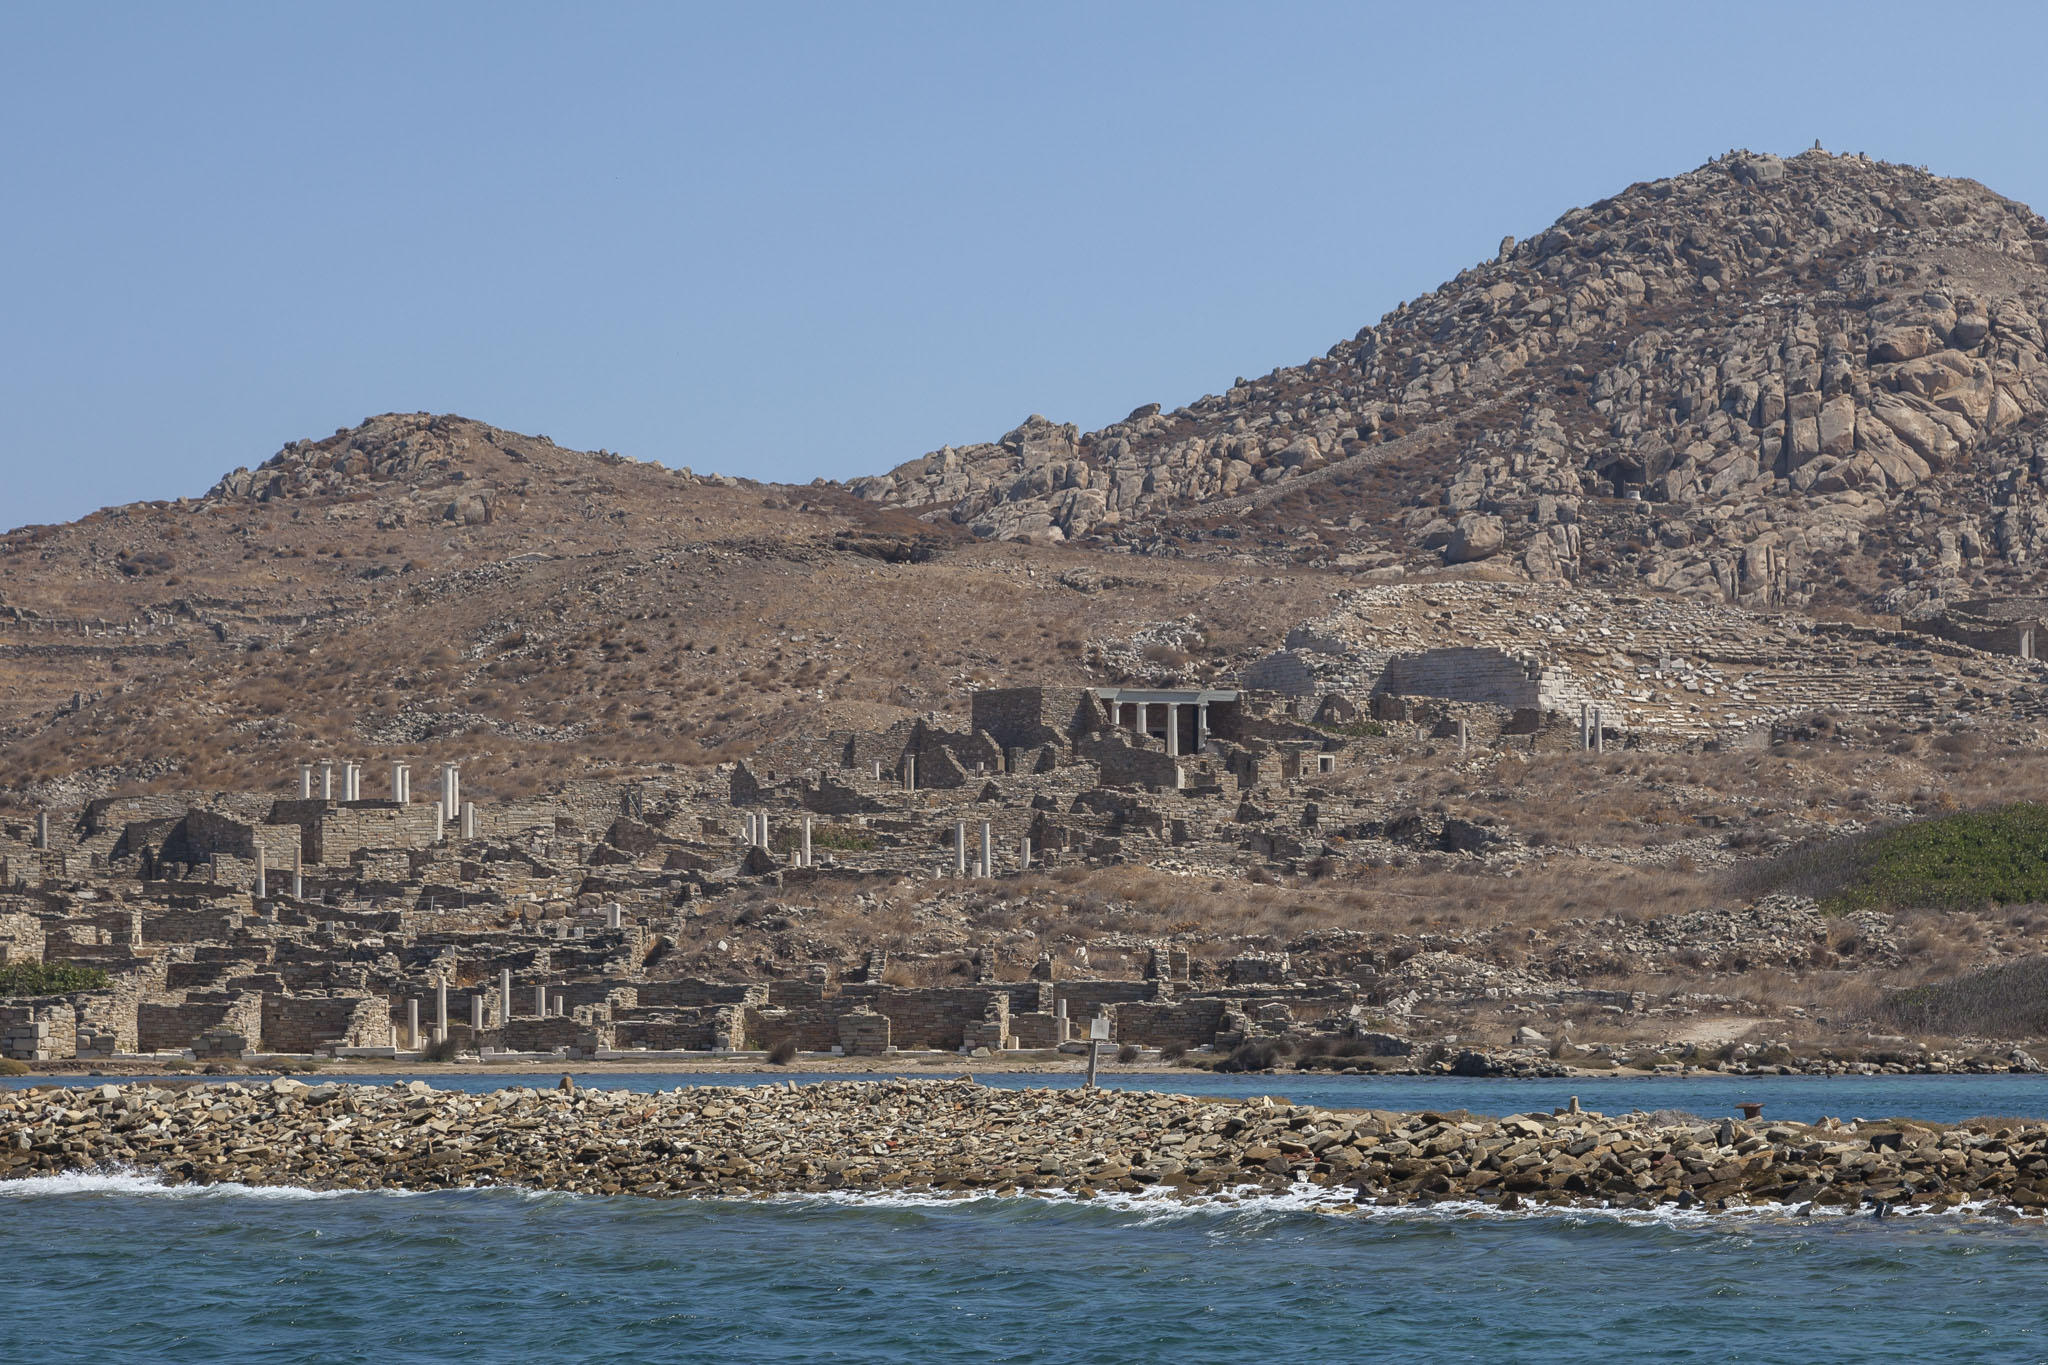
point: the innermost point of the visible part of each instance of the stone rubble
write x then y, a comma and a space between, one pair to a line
957, 1136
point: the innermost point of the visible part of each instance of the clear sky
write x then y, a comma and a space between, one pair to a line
789, 241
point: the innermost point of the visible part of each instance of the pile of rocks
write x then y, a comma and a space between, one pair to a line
959, 1136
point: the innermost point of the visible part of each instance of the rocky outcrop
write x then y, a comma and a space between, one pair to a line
959, 1136
1774, 353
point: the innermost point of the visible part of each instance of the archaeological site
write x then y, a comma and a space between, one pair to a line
1625, 657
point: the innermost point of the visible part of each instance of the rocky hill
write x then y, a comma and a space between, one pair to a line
433, 586
1816, 379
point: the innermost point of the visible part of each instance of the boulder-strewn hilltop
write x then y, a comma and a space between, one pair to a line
1778, 358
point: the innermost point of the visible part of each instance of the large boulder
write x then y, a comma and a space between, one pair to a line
1477, 537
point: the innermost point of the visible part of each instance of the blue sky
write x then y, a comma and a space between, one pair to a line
789, 241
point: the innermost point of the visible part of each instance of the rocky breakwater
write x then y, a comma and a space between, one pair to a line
959, 1136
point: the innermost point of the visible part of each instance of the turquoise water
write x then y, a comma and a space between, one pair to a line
1941, 1099
117, 1269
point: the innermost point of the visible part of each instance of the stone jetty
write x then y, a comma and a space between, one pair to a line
958, 1136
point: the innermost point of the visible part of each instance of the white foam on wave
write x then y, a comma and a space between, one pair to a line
1158, 1205
1153, 1205
149, 1185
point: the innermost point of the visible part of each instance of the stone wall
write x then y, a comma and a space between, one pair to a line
1286, 673
547, 1035
1995, 627
693, 993
697, 1029
1186, 1024
1027, 717
174, 1027
864, 1033
21, 938
1086, 999
940, 1016
338, 834
38, 1030
304, 1023
1126, 766
1482, 675
190, 925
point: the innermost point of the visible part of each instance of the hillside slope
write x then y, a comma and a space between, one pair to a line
430, 587
1823, 377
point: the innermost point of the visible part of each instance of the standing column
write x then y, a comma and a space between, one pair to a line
540, 1001
765, 836
412, 1025
1463, 736
469, 819
504, 996
1173, 729
1024, 854
305, 782
476, 1016
441, 1010
326, 779
401, 783
451, 792
261, 890
1599, 731
807, 842
988, 849
1201, 726
910, 772
298, 870
43, 830
960, 848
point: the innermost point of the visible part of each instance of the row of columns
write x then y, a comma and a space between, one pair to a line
1592, 724
317, 782
298, 872
756, 832
546, 1004
985, 865
1142, 722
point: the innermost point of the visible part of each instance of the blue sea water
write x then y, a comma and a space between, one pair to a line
116, 1267
1804, 1099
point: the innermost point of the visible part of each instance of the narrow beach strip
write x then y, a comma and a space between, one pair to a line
955, 1136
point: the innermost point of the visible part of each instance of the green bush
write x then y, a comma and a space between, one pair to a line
2006, 1001
49, 978
838, 838
1953, 862
1357, 729
1260, 1054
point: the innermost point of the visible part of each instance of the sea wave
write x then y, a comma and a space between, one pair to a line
1142, 1208
1159, 1206
149, 1185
